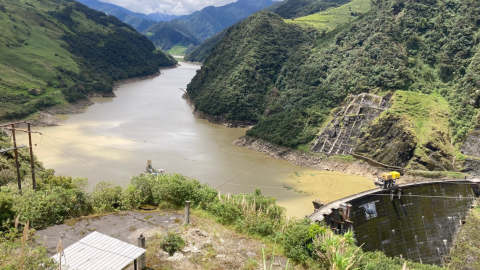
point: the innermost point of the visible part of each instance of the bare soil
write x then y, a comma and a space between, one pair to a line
209, 245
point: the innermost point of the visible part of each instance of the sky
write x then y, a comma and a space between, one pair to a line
173, 7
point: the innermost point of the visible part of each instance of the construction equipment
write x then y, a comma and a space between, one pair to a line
387, 180
150, 170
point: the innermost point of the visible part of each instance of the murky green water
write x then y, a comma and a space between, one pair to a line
148, 120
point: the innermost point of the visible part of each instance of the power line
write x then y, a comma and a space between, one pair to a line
158, 143
93, 164
423, 196
240, 174
131, 151
100, 173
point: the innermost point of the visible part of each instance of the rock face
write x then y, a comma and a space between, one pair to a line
471, 148
342, 133
387, 140
318, 162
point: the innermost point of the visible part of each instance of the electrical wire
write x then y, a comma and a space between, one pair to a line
241, 173
88, 161
423, 196
165, 144
100, 173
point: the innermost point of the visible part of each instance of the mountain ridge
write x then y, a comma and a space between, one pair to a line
425, 48
55, 52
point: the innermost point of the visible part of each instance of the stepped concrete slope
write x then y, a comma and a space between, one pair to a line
342, 133
417, 221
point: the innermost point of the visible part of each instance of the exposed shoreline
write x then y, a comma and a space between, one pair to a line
308, 160
318, 162
47, 117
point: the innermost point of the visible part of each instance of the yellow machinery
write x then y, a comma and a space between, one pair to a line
388, 180
390, 175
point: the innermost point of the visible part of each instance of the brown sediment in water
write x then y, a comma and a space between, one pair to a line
320, 162
48, 117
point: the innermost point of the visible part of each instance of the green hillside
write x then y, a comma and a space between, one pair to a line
299, 8
428, 48
199, 53
332, 18
57, 51
167, 35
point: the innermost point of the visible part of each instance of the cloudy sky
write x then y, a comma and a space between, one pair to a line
176, 7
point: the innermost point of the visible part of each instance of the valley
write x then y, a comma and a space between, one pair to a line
247, 112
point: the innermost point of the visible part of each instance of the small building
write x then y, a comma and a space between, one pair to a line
98, 251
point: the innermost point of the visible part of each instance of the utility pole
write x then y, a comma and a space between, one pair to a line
16, 159
32, 164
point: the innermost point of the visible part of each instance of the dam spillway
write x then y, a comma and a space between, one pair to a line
416, 221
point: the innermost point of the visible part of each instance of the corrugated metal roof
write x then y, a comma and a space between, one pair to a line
99, 251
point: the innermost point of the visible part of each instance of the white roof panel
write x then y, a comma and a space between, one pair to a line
99, 251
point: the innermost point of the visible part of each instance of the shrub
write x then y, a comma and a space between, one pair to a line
52, 206
298, 241
172, 242
107, 197
6, 212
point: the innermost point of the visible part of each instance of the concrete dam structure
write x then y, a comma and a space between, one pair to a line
416, 221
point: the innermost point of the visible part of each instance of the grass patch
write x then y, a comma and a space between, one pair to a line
178, 50
332, 18
342, 158
466, 246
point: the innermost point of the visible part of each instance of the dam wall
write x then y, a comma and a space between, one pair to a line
416, 221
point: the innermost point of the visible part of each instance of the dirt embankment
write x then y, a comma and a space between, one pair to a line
217, 119
318, 162
208, 245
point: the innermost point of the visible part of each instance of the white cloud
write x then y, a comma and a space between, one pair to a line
175, 7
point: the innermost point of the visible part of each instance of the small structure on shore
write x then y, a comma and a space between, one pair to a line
98, 251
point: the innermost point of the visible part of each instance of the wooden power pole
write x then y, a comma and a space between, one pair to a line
32, 163
16, 159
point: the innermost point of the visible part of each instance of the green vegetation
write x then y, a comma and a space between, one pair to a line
52, 52
60, 198
137, 20
299, 8
423, 47
174, 34
312, 245
211, 20
177, 50
172, 243
200, 52
466, 251
334, 17
424, 119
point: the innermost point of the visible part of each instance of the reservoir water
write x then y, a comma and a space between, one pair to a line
148, 120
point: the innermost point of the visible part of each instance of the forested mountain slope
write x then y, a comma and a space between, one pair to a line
298, 8
53, 51
211, 20
138, 21
428, 47
199, 53
166, 35
286, 9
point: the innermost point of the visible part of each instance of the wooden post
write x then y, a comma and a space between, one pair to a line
16, 159
141, 261
187, 212
31, 158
